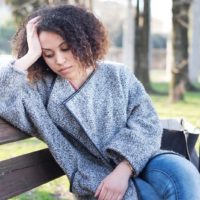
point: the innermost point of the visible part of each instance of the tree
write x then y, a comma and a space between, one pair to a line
179, 70
6, 32
142, 39
21, 8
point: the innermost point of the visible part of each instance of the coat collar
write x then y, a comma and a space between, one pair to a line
62, 91
63, 95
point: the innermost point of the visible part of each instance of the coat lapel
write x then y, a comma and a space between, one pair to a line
61, 91
63, 107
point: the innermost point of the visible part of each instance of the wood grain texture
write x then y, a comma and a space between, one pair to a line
26, 172
9, 133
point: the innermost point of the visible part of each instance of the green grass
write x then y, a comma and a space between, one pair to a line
54, 190
58, 189
189, 108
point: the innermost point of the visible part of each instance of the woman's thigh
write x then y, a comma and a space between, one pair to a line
145, 190
172, 177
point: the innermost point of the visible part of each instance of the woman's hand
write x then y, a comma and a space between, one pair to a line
34, 47
114, 186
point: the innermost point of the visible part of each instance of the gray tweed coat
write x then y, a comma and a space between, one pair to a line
88, 131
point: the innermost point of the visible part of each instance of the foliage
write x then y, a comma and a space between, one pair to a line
6, 32
21, 8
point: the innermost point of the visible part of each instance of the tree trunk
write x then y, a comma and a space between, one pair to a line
142, 45
179, 69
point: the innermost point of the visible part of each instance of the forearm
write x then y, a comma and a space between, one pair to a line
125, 168
10, 79
25, 62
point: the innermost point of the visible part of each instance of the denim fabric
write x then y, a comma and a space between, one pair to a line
168, 177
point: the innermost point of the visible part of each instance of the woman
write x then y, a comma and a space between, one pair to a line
95, 116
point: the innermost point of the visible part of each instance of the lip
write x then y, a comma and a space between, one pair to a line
64, 69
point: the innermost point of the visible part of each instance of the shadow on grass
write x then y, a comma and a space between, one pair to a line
153, 91
159, 89
41, 195
162, 88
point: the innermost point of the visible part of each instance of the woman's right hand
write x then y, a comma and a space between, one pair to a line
114, 186
34, 47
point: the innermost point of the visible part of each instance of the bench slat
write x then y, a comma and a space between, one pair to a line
2, 121
26, 172
10, 134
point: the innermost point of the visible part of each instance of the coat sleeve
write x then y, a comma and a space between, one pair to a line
89, 175
13, 92
141, 137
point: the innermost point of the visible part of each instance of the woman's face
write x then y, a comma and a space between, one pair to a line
58, 55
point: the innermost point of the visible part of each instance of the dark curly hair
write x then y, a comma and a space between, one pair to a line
82, 31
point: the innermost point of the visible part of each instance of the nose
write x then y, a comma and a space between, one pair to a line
60, 59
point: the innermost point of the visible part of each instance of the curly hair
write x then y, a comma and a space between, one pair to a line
82, 31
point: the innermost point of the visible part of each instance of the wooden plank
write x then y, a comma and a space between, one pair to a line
10, 134
26, 172
2, 121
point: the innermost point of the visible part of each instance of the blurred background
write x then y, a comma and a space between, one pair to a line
157, 40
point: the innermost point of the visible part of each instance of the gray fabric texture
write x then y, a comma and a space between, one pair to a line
110, 118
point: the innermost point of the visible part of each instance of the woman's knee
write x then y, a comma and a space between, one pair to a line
173, 177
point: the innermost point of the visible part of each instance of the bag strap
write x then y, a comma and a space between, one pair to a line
199, 156
188, 151
182, 122
185, 133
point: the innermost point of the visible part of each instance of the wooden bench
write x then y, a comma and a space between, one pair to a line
25, 172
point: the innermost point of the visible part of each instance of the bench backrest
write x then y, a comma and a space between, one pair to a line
25, 172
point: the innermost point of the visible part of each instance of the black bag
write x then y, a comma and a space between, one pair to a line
181, 136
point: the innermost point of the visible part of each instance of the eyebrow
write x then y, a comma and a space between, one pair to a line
58, 46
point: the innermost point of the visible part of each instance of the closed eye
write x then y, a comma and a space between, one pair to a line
48, 56
65, 49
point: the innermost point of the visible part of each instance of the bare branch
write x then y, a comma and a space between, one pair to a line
182, 22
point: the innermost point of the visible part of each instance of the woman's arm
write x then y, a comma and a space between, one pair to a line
141, 137
14, 86
34, 47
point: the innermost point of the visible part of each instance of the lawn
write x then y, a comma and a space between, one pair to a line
58, 189
189, 108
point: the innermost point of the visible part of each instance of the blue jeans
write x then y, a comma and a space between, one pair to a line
168, 177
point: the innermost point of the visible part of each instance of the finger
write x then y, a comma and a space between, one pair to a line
31, 28
115, 196
112, 196
32, 24
103, 193
98, 189
34, 20
109, 196
119, 197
